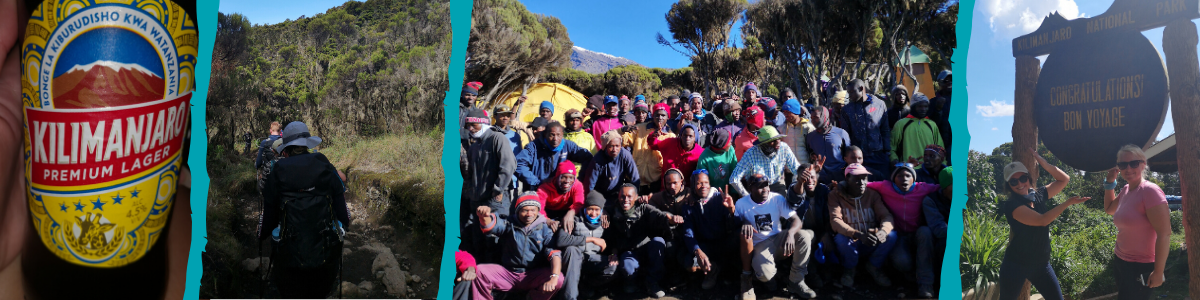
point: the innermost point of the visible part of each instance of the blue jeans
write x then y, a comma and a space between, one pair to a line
915, 248
850, 250
651, 253
1013, 274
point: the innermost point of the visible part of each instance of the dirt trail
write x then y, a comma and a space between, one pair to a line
385, 255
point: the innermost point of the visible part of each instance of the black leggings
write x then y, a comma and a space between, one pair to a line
1127, 274
1014, 273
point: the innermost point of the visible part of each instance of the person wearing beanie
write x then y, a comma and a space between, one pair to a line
635, 235
717, 159
836, 104
680, 152
755, 120
901, 102
707, 245
466, 102
641, 113
638, 139
765, 240
490, 167
695, 116
612, 166
575, 133
539, 160
750, 94
584, 248
562, 197
904, 196
528, 258
863, 225
770, 157
796, 128
913, 133
771, 108
732, 117
865, 119
608, 120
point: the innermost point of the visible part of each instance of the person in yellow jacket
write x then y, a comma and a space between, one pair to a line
637, 139
916, 131
575, 133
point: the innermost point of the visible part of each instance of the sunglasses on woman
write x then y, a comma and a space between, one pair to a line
1130, 164
1018, 180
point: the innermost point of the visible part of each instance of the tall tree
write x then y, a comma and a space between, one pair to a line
701, 27
511, 48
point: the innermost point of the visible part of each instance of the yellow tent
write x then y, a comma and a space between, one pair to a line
563, 98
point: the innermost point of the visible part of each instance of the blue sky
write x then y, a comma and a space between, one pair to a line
622, 28
271, 12
991, 80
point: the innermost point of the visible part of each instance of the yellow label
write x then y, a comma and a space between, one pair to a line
106, 86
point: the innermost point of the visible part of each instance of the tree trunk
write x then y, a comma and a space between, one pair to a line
1024, 129
1183, 70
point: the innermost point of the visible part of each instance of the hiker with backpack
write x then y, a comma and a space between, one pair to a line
528, 261
304, 201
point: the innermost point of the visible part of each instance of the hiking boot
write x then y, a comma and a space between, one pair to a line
924, 291
630, 286
880, 279
710, 279
848, 277
654, 290
802, 290
748, 286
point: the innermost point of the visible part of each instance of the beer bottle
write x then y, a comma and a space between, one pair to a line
106, 89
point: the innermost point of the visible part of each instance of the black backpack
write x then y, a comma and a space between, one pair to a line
266, 159
308, 234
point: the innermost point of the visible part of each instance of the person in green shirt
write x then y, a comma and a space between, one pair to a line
718, 158
914, 132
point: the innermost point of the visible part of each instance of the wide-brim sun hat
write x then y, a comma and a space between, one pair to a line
297, 134
766, 134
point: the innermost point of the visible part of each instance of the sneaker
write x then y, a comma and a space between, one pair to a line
848, 277
630, 286
710, 279
802, 290
880, 279
924, 291
654, 290
748, 286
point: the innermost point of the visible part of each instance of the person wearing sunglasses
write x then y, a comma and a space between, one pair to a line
1143, 226
1029, 213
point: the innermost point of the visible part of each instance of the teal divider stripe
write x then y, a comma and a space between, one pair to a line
460, 22
206, 14
951, 276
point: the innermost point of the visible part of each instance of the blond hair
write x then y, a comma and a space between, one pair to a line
1135, 150
275, 126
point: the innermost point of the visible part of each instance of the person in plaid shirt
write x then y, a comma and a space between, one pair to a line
770, 157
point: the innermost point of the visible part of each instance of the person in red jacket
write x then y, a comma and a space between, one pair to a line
562, 196
680, 152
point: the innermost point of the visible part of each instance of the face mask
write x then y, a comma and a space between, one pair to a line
591, 220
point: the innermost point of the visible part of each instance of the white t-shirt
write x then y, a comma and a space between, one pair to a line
765, 217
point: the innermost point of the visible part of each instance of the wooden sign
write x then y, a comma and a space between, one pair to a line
1122, 16
1097, 94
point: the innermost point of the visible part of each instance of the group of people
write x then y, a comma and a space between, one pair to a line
628, 190
1139, 212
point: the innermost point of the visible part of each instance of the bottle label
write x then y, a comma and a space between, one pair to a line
106, 89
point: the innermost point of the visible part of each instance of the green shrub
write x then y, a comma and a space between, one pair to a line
983, 243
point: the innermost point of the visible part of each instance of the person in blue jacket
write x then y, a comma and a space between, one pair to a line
528, 259
612, 166
540, 158
708, 246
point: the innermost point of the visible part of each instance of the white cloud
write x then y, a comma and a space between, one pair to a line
1012, 18
995, 128
996, 109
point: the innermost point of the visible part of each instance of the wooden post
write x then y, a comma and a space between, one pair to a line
1024, 130
1183, 71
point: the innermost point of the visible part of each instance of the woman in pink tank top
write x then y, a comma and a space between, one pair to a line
1143, 226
